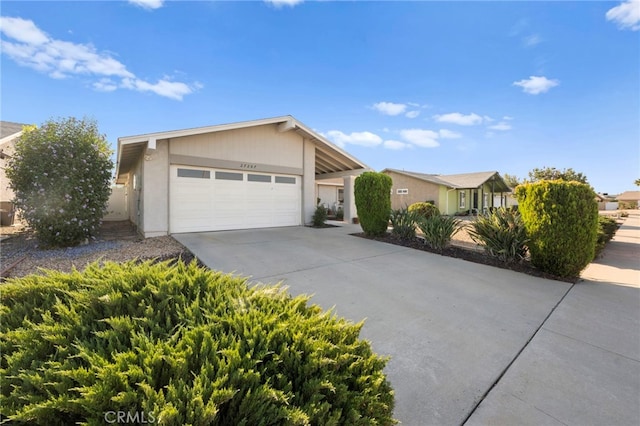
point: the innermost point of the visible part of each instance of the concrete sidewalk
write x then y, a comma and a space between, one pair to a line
583, 366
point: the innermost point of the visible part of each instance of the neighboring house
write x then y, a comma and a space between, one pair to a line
606, 202
629, 199
252, 174
460, 193
9, 134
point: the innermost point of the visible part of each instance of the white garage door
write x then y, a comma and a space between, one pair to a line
204, 199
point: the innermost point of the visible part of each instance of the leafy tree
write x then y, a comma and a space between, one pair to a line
511, 180
637, 182
551, 173
60, 174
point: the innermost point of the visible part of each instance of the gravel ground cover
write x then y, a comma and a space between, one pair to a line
116, 243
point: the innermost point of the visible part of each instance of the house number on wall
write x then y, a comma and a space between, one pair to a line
248, 166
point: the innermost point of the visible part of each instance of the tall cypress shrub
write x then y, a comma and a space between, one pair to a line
373, 200
561, 219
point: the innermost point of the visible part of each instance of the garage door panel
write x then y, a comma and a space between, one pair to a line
222, 202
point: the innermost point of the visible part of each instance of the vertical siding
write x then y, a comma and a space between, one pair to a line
261, 144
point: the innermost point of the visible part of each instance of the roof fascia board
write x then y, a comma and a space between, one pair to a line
439, 180
201, 130
10, 137
333, 175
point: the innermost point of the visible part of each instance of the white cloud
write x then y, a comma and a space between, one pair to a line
501, 126
22, 31
105, 85
396, 145
31, 47
341, 139
421, 138
148, 4
626, 15
487, 119
412, 114
390, 108
448, 134
531, 40
535, 85
169, 89
281, 3
460, 119
506, 117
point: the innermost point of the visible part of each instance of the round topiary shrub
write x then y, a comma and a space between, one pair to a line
373, 202
179, 344
425, 210
561, 219
61, 176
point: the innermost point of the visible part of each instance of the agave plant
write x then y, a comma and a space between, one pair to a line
438, 230
502, 233
403, 222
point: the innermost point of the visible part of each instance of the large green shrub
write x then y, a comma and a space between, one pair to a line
60, 174
607, 228
424, 209
184, 345
373, 202
403, 222
561, 219
502, 233
438, 230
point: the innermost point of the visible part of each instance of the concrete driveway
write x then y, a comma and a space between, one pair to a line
452, 328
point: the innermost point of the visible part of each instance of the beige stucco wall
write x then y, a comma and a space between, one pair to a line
156, 196
135, 194
261, 144
6, 194
419, 191
308, 181
117, 208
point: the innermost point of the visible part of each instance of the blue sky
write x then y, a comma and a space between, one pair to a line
433, 87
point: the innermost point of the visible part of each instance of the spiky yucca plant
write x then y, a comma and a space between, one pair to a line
403, 222
502, 234
438, 230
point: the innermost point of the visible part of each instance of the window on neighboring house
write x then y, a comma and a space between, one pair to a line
463, 200
485, 200
403, 191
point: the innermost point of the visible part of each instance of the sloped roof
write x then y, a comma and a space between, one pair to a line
629, 196
331, 160
8, 128
460, 181
437, 179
